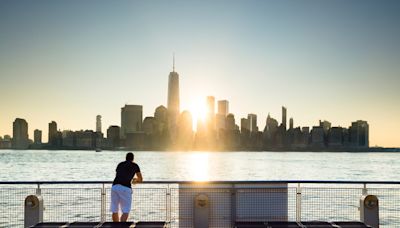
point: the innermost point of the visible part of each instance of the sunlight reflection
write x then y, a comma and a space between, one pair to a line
198, 110
198, 166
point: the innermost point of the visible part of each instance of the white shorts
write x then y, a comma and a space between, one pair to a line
121, 197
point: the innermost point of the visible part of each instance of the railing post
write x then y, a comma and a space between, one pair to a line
201, 211
298, 203
369, 210
38, 190
168, 205
33, 210
103, 204
365, 190
233, 205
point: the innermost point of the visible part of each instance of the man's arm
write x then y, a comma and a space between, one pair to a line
138, 179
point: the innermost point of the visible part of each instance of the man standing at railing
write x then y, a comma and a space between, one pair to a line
121, 191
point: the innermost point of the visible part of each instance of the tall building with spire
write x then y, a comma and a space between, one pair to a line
173, 98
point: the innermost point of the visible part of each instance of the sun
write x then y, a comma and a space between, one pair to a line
198, 110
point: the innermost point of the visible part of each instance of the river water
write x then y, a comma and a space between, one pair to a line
36, 165
82, 203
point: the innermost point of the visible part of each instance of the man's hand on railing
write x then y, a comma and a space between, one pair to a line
134, 181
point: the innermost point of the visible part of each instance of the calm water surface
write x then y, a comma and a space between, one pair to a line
33, 165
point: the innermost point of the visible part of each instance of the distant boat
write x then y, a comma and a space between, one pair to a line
98, 149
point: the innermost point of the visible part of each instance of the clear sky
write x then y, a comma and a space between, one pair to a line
331, 60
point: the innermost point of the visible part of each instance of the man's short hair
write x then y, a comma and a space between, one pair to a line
129, 156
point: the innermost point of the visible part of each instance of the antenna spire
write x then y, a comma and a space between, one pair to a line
173, 62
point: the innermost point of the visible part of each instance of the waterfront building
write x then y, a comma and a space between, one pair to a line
161, 118
210, 104
230, 122
317, 137
220, 117
161, 114
6, 142
270, 133
210, 115
173, 103
231, 137
244, 125
37, 137
135, 140
52, 139
291, 123
305, 130
20, 138
271, 126
185, 131
284, 116
99, 140
131, 119
98, 123
346, 138
113, 136
300, 139
161, 134
85, 139
223, 107
335, 137
252, 118
359, 134
149, 131
220, 121
326, 125
148, 125
306, 134
68, 139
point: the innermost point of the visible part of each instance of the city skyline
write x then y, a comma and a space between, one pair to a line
318, 65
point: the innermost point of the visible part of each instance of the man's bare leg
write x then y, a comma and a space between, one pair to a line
124, 217
115, 217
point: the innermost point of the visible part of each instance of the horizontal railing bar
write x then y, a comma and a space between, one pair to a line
206, 182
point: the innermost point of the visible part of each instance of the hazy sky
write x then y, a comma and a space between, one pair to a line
71, 60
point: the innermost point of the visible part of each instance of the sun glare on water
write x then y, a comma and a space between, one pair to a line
198, 166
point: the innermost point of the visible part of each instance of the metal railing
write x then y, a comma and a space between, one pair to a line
229, 201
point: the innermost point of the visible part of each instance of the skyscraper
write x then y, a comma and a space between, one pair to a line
113, 136
210, 102
98, 123
223, 110
223, 107
230, 122
20, 134
359, 134
210, 116
173, 96
131, 119
37, 136
284, 117
244, 125
291, 123
252, 118
52, 140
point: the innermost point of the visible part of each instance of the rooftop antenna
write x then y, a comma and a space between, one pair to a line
173, 62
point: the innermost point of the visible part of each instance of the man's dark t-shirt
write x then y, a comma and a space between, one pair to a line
125, 172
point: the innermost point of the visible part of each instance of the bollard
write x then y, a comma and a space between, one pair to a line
369, 210
201, 211
33, 213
